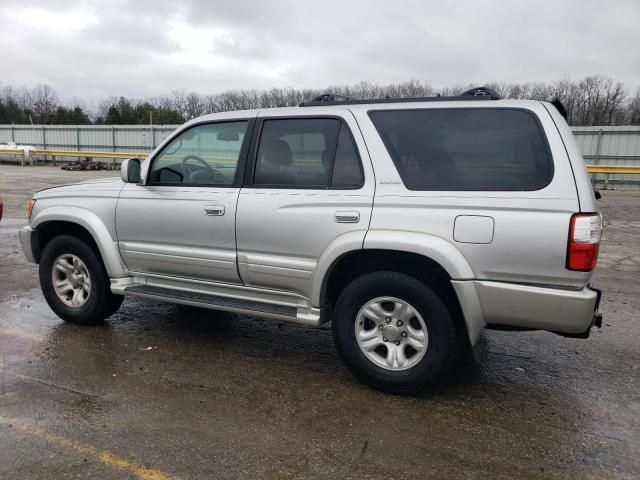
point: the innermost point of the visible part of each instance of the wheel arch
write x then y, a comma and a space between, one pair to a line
432, 260
82, 223
433, 250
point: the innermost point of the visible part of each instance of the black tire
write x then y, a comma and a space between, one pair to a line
442, 348
100, 303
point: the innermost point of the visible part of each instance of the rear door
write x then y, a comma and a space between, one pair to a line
309, 184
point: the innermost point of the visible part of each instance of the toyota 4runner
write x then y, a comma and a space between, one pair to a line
411, 224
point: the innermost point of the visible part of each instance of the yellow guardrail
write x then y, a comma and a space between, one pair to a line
607, 170
88, 154
10, 151
613, 169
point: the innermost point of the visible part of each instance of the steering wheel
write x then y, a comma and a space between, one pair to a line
217, 177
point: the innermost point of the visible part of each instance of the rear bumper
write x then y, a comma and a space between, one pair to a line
26, 235
567, 312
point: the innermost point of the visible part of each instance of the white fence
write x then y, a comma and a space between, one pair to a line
109, 138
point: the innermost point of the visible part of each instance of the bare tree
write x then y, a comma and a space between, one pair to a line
163, 101
180, 102
43, 102
593, 100
193, 106
633, 109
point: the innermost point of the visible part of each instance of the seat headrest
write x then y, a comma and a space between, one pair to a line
276, 152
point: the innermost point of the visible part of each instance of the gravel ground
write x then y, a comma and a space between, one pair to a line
162, 391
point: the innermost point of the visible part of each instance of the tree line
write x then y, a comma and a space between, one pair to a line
593, 100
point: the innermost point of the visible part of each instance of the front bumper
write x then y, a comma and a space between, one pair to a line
567, 312
27, 235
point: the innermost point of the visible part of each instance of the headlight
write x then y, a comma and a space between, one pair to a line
30, 208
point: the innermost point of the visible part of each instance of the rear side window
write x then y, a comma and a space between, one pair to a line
307, 153
347, 170
466, 149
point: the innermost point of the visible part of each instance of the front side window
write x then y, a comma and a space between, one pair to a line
203, 155
493, 149
307, 152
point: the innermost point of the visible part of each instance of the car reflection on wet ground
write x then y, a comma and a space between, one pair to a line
164, 391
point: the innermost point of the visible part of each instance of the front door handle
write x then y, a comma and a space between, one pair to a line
214, 210
348, 217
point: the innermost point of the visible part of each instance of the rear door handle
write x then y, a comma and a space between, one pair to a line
214, 210
348, 217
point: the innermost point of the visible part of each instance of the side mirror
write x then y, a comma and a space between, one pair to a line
130, 170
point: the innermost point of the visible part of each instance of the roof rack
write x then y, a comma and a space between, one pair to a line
479, 93
330, 97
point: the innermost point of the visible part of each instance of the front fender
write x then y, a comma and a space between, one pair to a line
94, 225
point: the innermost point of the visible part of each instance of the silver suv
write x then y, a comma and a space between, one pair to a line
411, 224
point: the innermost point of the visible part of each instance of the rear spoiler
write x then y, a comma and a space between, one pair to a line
560, 107
563, 111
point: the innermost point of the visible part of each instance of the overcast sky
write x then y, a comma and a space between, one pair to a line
96, 49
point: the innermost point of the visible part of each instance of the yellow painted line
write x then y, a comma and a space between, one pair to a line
103, 456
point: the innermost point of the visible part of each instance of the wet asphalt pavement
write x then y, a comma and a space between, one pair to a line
163, 391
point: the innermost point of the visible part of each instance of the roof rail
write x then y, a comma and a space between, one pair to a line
479, 93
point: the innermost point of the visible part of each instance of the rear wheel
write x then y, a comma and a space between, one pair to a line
394, 332
75, 283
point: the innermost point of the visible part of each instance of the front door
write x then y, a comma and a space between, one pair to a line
181, 222
307, 190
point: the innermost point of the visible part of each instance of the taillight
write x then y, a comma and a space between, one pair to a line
585, 231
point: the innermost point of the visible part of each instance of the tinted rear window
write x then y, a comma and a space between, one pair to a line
466, 149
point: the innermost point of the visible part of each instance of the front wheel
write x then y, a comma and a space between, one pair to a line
75, 283
394, 332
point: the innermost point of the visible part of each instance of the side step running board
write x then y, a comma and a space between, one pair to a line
215, 302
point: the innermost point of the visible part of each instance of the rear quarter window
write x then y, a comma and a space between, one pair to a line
494, 149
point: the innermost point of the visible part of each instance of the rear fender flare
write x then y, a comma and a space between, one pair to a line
437, 249
448, 257
340, 246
